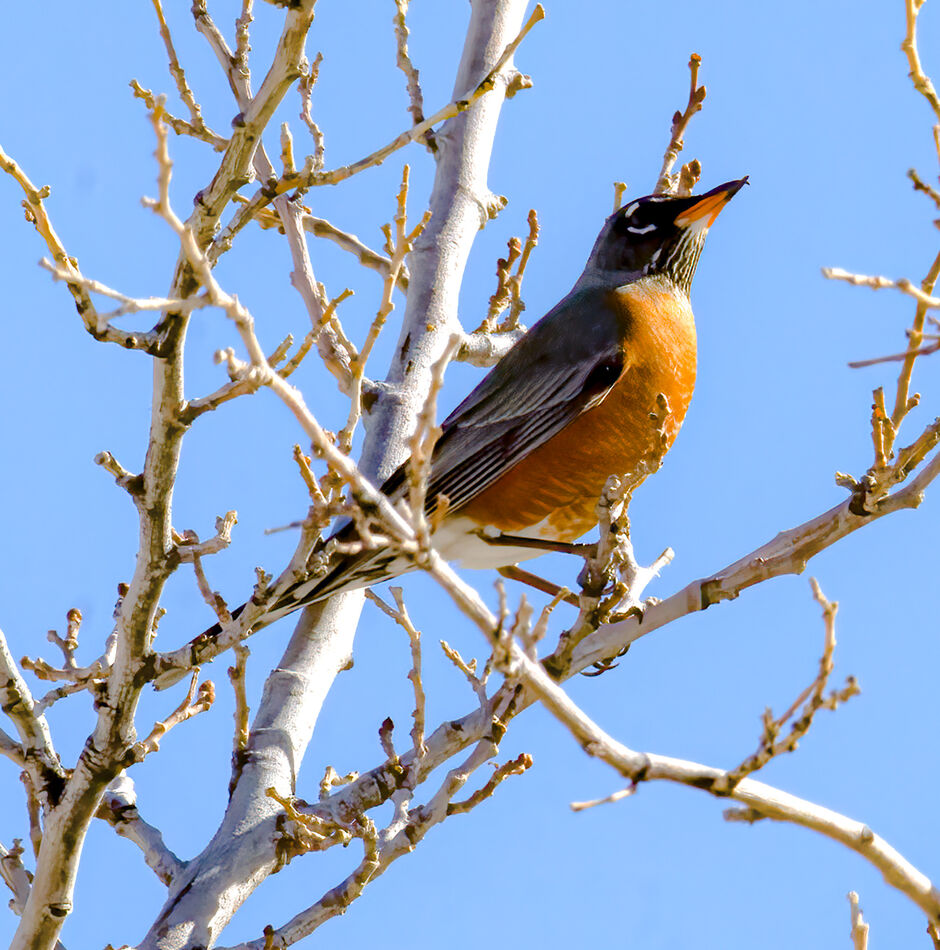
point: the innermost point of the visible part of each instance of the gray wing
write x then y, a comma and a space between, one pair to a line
563, 366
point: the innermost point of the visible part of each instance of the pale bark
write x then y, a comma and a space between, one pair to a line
242, 852
66, 824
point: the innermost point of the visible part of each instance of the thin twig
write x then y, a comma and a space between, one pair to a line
15, 875
399, 245
610, 799
404, 63
619, 188
876, 282
509, 284
198, 699
921, 80
515, 766
761, 800
178, 125
311, 176
921, 185
400, 615
197, 126
36, 214
236, 675
859, 931
902, 400
667, 183
305, 87
812, 699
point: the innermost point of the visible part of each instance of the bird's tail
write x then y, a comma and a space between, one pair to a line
350, 573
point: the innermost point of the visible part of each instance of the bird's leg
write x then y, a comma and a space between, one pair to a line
612, 581
516, 573
634, 579
539, 544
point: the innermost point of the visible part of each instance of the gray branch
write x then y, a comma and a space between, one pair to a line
217, 882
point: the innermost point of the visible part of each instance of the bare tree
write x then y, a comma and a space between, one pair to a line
259, 180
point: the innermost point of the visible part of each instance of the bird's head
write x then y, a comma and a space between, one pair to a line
658, 234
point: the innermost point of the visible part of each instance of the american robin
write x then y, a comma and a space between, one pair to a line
527, 453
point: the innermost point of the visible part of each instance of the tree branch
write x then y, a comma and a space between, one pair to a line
321, 644
762, 801
119, 808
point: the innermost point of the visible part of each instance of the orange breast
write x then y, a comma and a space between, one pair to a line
557, 486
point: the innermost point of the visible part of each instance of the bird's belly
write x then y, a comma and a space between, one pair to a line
552, 492
460, 539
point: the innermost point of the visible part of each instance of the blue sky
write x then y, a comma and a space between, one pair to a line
812, 102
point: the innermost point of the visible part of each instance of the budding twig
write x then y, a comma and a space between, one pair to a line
198, 699
812, 699
667, 183
859, 931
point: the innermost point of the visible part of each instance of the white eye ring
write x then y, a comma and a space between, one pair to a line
628, 211
648, 228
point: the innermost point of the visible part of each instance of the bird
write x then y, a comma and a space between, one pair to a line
527, 454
